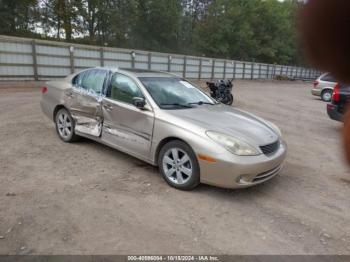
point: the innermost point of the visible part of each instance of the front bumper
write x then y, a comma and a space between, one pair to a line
243, 171
333, 113
316, 92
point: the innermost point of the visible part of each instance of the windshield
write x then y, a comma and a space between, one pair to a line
173, 92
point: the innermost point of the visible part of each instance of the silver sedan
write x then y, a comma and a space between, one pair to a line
166, 121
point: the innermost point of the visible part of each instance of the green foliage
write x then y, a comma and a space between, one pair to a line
16, 16
157, 25
252, 30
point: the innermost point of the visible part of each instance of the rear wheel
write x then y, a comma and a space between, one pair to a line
65, 126
179, 166
326, 95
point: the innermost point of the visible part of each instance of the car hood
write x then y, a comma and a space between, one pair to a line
230, 121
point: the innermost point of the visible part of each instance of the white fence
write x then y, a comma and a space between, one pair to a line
28, 59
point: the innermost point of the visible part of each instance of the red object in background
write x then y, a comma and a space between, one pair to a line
330, 107
336, 94
43, 89
316, 83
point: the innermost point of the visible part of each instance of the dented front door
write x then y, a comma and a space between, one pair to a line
126, 126
86, 103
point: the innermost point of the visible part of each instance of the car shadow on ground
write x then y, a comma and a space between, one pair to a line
201, 189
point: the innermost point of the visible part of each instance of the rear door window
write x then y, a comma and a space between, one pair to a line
91, 80
328, 78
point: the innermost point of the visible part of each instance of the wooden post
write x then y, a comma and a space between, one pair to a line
149, 61
132, 54
213, 69
252, 71
225, 65
71, 59
169, 63
234, 69
243, 76
200, 68
185, 66
102, 62
35, 62
259, 71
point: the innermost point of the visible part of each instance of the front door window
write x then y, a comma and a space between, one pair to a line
124, 89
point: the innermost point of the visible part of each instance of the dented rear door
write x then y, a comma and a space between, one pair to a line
86, 106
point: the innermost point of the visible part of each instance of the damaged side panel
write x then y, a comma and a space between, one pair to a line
84, 100
86, 109
128, 128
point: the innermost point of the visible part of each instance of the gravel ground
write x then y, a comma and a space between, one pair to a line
85, 198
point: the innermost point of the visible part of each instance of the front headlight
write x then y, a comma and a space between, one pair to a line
232, 144
275, 128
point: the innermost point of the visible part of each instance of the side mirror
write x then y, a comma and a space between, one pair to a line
139, 102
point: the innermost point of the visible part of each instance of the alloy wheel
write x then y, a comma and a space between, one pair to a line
64, 125
177, 166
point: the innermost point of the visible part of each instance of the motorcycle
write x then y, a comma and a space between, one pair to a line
221, 91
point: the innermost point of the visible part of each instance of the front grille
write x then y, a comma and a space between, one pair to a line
267, 174
270, 148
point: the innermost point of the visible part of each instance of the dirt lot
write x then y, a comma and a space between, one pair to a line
86, 198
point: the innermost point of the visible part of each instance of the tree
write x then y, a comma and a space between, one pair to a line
116, 20
16, 16
252, 30
193, 12
59, 15
157, 24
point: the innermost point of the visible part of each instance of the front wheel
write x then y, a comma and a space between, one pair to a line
179, 166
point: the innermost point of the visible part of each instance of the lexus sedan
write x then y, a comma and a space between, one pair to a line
168, 122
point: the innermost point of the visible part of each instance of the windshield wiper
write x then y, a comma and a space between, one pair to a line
177, 104
201, 103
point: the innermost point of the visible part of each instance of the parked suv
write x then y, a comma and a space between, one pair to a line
340, 99
323, 87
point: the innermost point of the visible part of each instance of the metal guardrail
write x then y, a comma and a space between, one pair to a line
29, 59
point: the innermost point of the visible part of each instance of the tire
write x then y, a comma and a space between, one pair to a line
65, 126
179, 166
326, 95
230, 100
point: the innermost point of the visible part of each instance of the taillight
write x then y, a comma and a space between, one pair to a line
43, 89
316, 83
336, 93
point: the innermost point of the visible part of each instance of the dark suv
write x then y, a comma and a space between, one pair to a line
340, 100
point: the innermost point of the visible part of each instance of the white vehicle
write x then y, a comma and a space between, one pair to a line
323, 87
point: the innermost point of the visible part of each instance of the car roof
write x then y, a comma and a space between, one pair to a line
141, 72
147, 73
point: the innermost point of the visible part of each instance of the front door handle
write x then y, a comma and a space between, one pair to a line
69, 94
108, 107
